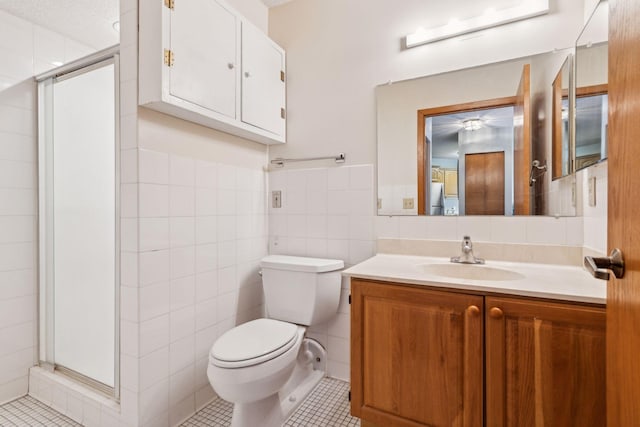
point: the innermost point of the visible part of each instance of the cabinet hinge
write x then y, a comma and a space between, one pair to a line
282, 113
168, 57
349, 299
349, 396
169, 3
282, 76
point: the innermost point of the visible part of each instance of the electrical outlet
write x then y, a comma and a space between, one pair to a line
407, 203
276, 199
592, 191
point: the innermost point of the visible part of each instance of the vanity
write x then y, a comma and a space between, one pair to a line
440, 344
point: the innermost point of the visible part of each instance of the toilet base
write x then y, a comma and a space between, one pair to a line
265, 413
274, 410
291, 402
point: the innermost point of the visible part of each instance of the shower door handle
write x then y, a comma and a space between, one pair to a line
600, 267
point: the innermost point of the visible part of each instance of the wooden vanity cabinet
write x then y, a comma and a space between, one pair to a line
416, 356
545, 363
424, 357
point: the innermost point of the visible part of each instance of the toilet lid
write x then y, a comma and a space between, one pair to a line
253, 342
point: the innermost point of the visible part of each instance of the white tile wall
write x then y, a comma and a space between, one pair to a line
326, 212
18, 238
202, 232
595, 217
564, 231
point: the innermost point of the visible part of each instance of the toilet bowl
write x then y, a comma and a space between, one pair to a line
266, 367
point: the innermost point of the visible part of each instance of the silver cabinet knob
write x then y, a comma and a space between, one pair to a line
231, 65
247, 74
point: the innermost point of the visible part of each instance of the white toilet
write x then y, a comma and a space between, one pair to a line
267, 367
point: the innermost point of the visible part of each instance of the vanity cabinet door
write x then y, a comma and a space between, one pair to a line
545, 364
416, 356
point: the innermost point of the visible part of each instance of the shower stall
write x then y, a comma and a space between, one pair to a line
79, 221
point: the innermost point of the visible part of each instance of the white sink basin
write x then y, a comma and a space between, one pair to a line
470, 272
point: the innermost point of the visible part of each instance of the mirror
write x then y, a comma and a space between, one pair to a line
446, 121
591, 99
560, 125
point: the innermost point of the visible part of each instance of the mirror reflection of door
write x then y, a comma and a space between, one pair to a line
560, 129
522, 145
484, 183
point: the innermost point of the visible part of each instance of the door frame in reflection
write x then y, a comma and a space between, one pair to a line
424, 160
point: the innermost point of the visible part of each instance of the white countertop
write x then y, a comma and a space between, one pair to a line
549, 281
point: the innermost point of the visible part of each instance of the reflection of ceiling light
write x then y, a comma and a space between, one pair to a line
472, 124
57, 63
491, 18
116, 26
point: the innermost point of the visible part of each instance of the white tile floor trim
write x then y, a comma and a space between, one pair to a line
75, 401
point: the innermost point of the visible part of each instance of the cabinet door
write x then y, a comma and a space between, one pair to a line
416, 356
263, 87
450, 183
204, 44
545, 364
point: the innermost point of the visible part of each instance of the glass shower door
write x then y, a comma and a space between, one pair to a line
79, 223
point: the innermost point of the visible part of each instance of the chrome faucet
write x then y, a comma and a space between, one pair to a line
467, 257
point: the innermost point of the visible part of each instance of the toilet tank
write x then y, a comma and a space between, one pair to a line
301, 290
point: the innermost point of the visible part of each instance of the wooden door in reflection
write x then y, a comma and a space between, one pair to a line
484, 183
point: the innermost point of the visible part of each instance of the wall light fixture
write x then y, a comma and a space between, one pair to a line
490, 18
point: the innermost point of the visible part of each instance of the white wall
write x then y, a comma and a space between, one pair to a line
18, 238
326, 213
193, 226
338, 52
196, 229
595, 217
30, 49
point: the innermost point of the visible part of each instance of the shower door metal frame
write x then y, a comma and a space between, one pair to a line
45, 82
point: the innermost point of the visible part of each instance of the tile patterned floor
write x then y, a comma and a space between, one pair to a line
28, 412
326, 406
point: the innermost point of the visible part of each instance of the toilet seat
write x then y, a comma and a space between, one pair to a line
253, 343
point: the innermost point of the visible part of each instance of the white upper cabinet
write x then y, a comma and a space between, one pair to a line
205, 34
200, 60
263, 94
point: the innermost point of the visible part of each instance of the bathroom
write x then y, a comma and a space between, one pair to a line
195, 207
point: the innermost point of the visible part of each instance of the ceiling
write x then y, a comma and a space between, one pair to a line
445, 128
272, 3
89, 22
